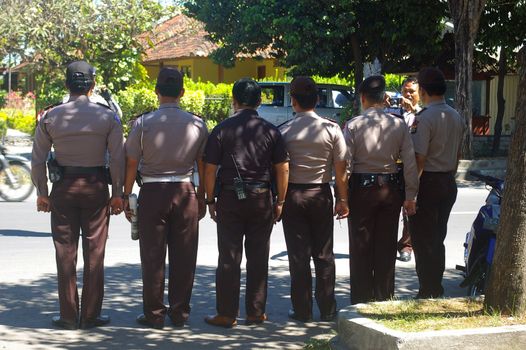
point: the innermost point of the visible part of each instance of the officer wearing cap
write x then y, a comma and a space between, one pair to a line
246, 149
376, 140
437, 140
167, 143
316, 146
81, 132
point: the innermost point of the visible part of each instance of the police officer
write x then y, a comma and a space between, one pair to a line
410, 107
437, 139
316, 146
80, 132
376, 140
245, 148
167, 143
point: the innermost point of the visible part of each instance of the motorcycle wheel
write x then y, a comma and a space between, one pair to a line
24, 186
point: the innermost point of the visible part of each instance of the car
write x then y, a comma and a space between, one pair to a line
276, 106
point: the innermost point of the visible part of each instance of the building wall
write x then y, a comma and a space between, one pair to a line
511, 84
206, 70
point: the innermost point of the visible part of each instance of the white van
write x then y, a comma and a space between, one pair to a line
277, 109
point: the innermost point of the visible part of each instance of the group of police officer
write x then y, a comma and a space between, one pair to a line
251, 175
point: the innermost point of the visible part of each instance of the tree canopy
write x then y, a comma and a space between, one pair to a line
325, 37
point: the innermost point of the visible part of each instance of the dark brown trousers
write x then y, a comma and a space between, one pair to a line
308, 224
404, 243
250, 219
373, 231
168, 216
436, 195
80, 203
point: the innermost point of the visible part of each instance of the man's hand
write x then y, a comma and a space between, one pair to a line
278, 208
212, 211
410, 207
341, 210
201, 208
43, 204
116, 205
407, 105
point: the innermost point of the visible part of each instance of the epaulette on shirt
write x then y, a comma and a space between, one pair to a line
279, 126
103, 105
330, 120
46, 109
420, 111
115, 115
133, 119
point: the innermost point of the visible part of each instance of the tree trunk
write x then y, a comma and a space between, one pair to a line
466, 16
501, 102
358, 71
506, 291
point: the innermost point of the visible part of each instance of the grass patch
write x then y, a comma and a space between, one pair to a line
436, 314
320, 342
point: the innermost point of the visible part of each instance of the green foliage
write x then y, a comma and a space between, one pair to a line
135, 101
3, 96
17, 119
327, 38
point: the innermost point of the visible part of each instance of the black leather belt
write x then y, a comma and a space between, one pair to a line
439, 172
366, 180
256, 187
82, 170
307, 186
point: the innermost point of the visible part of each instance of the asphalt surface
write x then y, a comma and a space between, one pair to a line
28, 296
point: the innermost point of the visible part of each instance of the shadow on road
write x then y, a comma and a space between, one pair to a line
26, 310
23, 233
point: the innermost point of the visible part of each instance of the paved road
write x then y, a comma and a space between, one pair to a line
28, 296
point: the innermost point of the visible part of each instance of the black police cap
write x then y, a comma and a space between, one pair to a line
169, 76
80, 72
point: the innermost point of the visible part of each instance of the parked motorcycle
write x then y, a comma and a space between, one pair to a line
480, 240
15, 177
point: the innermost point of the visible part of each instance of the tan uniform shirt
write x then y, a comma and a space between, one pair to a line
172, 140
438, 136
314, 144
80, 132
376, 140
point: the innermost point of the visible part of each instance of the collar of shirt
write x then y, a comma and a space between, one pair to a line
434, 103
373, 111
169, 105
78, 98
306, 114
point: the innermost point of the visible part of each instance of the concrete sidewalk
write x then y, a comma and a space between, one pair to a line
26, 309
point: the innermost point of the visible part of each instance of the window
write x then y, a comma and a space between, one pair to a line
273, 95
340, 98
322, 94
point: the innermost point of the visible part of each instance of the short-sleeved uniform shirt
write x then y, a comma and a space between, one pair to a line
167, 141
314, 144
247, 141
81, 132
376, 140
438, 136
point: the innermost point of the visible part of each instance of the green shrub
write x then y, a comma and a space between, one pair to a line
3, 97
18, 120
135, 101
193, 101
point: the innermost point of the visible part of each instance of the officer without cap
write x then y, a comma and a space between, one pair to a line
246, 148
437, 139
81, 132
316, 146
376, 140
167, 143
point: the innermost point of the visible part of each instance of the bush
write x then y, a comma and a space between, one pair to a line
3, 98
18, 120
135, 101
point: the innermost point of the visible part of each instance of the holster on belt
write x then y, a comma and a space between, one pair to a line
369, 180
55, 171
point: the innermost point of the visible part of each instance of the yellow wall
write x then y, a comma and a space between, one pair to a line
206, 70
511, 84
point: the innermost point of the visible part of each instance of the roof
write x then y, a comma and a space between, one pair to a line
181, 37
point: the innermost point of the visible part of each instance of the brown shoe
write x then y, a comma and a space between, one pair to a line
221, 321
255, 319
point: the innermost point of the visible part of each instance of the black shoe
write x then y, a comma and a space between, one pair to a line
405, 256
99, 321
328, 317
141, 319
177, 321
294, 316
61, 323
